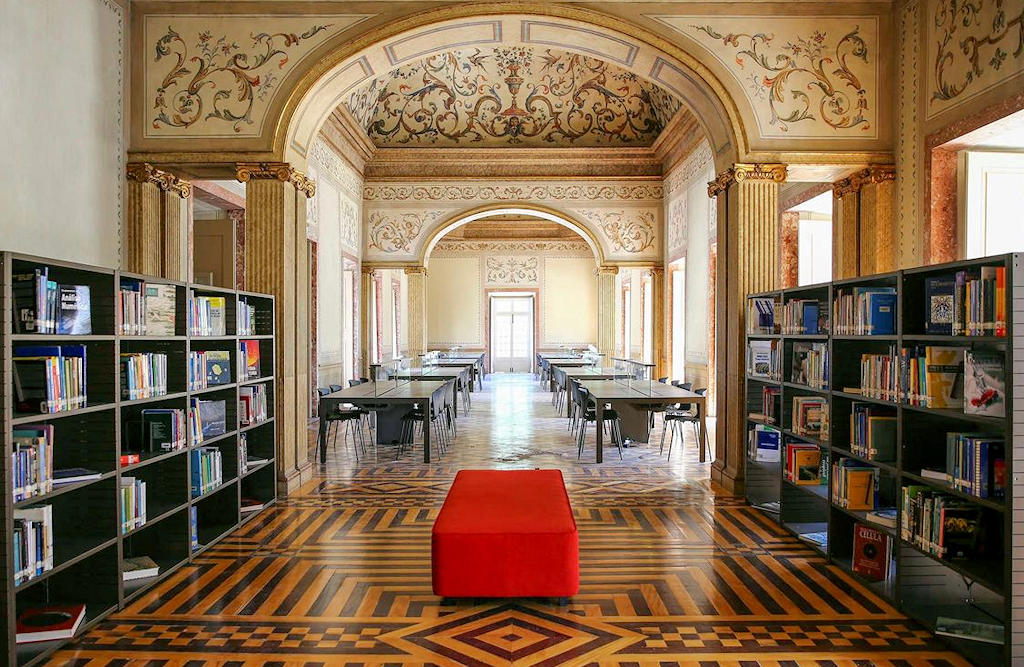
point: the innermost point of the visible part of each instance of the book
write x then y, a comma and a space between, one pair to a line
251, 505
763, 315
218, 367
129, 459
25, 288
75, 311
139, 567
872, 553
65, 476
193, 527
883, 516
938, 298
32, 460
763, 359
807, 466
33, 533
49, 623
873, 432
984, 383
160, 310
819, 538
249, 354
943, 380
765, 443
213, 416
989, 633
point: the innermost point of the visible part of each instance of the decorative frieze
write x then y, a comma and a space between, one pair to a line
512, 270
511, 192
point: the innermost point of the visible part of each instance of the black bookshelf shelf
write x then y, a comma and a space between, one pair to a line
982, 587
257, 467
89, 546
249, 427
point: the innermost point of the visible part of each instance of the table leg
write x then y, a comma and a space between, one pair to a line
321, 438
426, 430
599, 425
703, 431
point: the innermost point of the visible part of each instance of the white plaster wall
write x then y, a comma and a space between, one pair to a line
61, 111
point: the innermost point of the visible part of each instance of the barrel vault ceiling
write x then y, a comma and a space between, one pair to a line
511, 96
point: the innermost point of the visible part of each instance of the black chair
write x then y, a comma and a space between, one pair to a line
683, 414
589, 414
663, 380
346, 416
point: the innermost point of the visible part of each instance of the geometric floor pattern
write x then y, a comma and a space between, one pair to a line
672, 573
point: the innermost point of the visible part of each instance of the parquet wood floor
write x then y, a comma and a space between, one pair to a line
673, 573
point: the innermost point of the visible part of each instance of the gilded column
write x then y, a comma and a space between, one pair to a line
276, 263
416, 281
238, 218
845, 228
142, 252
658, 344
177, 201
606, 310
789, 256
747, 197
879, 236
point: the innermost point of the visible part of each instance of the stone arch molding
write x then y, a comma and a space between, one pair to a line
336, 76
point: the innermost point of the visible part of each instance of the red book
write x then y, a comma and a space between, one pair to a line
870, 553
43, 624
128, 459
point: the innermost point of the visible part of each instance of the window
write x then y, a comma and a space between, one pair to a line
991, 185
814, 239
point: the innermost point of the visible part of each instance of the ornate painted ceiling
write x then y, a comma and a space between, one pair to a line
511, 96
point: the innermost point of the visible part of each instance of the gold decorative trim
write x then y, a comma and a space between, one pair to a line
607, 270
144, 172
721, 183
877, 173
412, 270
747, 171
280, 171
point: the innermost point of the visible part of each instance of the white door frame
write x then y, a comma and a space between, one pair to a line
511, 294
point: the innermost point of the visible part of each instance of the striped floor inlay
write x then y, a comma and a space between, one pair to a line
672, 573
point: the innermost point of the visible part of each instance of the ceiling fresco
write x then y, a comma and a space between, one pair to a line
511, 96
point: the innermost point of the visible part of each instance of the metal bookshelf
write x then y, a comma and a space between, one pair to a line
986, 589
89, 546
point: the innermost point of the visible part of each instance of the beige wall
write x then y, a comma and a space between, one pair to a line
62, 110
461, 273
334, 215
214, 251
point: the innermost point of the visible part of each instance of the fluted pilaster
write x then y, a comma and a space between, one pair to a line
864, 236
156, 222
606, 309
175, 235
657, 274
416, 283
747, 200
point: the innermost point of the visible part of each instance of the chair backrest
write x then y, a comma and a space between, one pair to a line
703, 391
663, 380
686, 386
323, 391
364, 380
354, 383
676, 383
335, 387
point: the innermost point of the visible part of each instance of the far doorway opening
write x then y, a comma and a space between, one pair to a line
512, 328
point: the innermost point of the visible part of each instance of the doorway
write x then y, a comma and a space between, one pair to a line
512, 326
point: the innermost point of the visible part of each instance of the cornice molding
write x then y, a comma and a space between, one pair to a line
280, 171
144, 172
876, 173
740, 172
348, 139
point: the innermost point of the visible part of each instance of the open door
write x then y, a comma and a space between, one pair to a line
511, 334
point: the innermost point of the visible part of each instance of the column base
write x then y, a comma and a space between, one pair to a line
289, 482
731, 481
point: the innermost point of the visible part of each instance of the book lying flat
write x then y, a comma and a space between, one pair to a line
73, 476
43, 624
139, 567
972, 630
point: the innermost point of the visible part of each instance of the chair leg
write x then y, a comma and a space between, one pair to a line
582, 435
617, 429
664, 427
671, 440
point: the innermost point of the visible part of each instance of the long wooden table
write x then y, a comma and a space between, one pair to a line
439, 372
390, 402
629, 402
590, 373
479, 371
560, 366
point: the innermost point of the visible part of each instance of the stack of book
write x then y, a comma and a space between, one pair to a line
803, 463
803, 316
769, 403
252, 404
865, 311
764, 359
50, 378
246, 318
810, 416
133, 504
761, 316
810, 365
873, 432
967, 303
143, 375
872, 553
248, 360
880, 375
146, 309
941, 524
161, 430
42, 306
195, 422
975, 465
206, 315
206, 470
854, 484
933, 376
33, 542
763, 444
32, 460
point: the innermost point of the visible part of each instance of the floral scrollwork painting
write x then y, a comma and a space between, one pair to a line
631, 232
218, 78
802, 79
395, 233
512, 270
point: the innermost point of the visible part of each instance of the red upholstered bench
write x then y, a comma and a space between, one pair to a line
506, 533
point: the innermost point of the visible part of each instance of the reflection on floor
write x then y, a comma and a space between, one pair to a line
672, 573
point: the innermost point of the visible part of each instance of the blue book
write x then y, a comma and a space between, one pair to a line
196, 477
810, 317
938, 300
193, 527
75, 310
881, 314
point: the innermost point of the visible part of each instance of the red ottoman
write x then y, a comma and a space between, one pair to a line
506, 533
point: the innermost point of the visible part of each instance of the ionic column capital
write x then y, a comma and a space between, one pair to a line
740, 172
415, 270
607, 270
876, 173
144, 172
277, 171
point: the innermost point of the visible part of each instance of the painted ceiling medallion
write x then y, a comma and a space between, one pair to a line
512, 96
